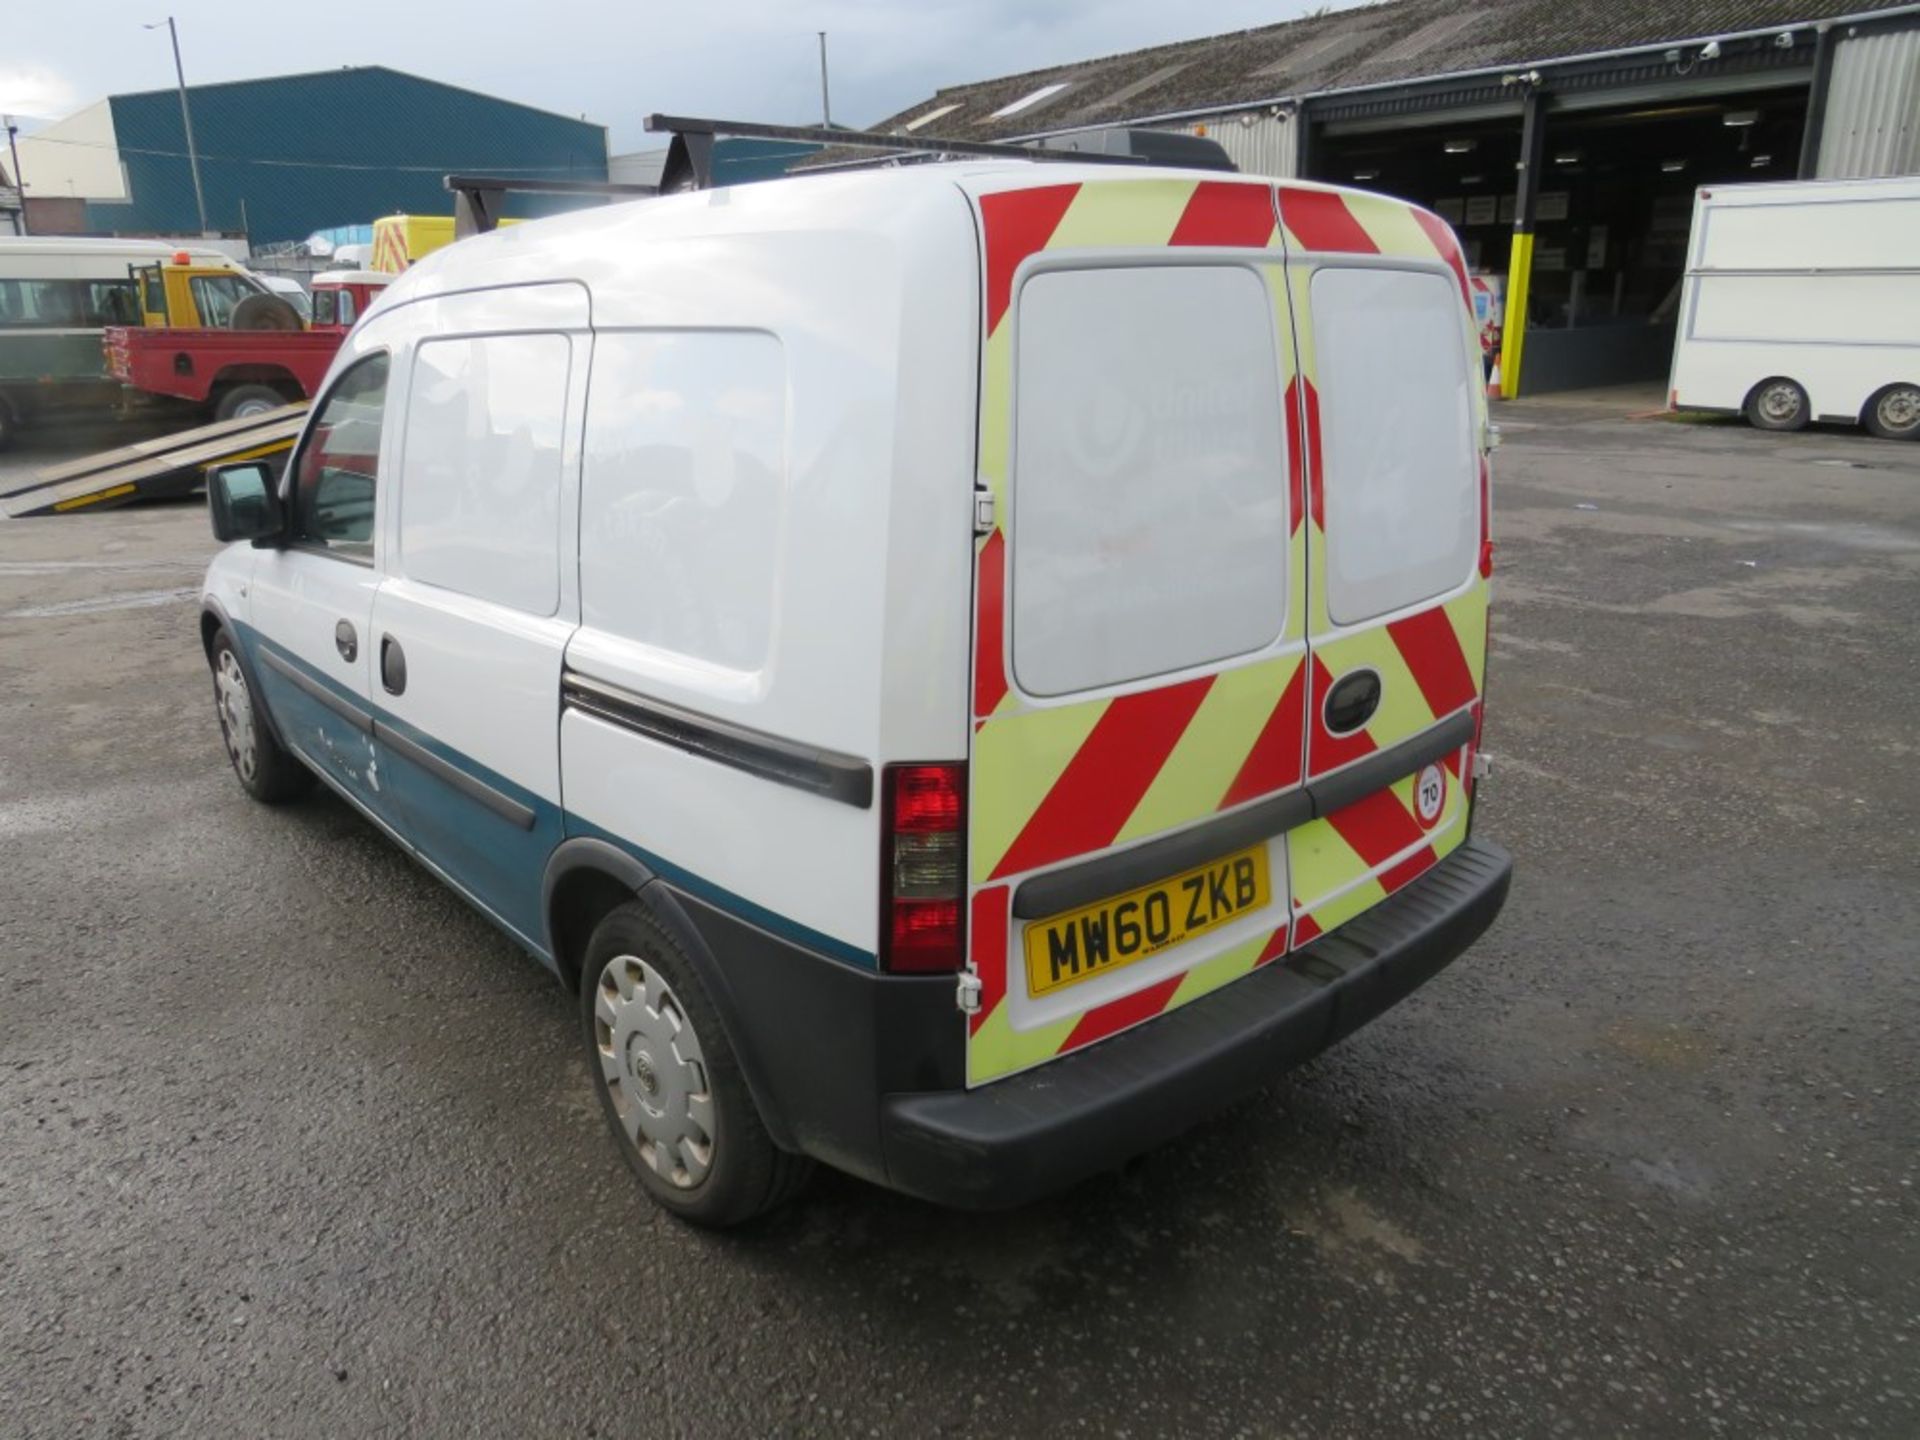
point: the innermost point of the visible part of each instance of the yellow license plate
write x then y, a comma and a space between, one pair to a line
1099, 938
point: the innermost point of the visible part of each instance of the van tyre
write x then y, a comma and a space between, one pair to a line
1778, 404
247, 400
264, 769
669, 1082
9, 425
1894, 413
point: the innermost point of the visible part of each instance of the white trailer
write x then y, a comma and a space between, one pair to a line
1802, 302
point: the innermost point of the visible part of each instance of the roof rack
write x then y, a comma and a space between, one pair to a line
689, 163
477, 198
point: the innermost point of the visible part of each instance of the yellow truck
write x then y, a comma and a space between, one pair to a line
399, 240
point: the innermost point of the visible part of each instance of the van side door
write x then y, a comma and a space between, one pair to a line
311, 605
480, 593
1397, 552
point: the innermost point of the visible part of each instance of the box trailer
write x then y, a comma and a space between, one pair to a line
1802, 302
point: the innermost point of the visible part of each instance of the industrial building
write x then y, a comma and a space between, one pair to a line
1563, 142
288, 155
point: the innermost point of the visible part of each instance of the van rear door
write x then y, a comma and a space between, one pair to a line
1397, 546
1140, 647
1161, 619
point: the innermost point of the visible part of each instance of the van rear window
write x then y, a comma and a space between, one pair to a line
1149, 486
1400, 469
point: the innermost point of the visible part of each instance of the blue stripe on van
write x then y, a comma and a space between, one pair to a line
553, 821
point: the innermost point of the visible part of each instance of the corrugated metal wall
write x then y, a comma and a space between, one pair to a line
1263, 145
1872, 124
299, 153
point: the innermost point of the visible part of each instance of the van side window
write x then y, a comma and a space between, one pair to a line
335, 478
1149, 480
683, 493
480, 468
1396, 422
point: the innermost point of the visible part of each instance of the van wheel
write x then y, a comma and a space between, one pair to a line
243, 400
1778, 404
265, 771
1894, 413
670, 1084
9, 426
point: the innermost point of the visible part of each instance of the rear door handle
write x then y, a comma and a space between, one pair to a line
393, 666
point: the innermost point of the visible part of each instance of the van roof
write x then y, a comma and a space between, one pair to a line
586, 244
89, 245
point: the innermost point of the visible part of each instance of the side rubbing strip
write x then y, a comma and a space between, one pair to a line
471, 786
845, 778
1378, 771
361, 720
1078, 885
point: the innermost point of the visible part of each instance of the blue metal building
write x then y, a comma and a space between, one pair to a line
285, 156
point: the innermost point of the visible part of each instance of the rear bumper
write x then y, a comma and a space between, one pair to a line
1019, 1138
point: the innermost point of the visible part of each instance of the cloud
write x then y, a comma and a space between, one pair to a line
33, 92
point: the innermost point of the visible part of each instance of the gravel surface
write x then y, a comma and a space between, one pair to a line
291, 1143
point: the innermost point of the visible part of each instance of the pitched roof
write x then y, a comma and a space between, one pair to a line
1365, 45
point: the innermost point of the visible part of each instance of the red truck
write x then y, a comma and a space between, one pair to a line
240, 370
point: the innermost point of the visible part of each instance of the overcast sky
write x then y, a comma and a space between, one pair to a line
612, 62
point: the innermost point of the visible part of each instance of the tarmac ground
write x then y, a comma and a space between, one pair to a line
293, 1143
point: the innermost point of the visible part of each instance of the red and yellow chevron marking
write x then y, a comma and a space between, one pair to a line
1346, 222
1053, 782
1354, 858
1057, 781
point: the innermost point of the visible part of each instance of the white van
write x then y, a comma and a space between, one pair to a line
950, 662
57, 296
1802, 302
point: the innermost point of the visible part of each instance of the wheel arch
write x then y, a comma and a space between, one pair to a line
586, 879
274, 377
214, 619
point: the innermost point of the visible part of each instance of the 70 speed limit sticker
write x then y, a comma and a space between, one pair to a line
1429, 795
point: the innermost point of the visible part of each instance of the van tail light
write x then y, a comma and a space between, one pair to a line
923, 869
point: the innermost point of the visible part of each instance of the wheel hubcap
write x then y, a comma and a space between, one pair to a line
1900, 409
655, 1071
1779, 402
236, 715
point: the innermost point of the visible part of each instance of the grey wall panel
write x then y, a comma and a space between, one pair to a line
1263, 146
1873, 107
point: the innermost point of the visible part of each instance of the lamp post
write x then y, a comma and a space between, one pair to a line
19, 185
186, 119
826, 108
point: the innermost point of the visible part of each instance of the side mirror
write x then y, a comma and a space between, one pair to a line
242, 502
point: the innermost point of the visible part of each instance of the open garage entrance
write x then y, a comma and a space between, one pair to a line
1612, 206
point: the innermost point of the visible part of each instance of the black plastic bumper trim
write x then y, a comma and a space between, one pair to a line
1077, 885
354, 715
1019, 1138
845, 778
1376, 772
